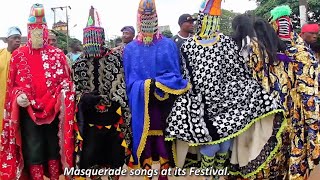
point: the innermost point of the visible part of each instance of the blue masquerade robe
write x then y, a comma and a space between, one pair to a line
160, 62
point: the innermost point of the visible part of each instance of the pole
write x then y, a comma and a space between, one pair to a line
54, 15
67, 18
67, 28
303, 6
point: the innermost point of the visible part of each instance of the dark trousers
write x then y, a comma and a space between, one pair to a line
102, 147
40, 143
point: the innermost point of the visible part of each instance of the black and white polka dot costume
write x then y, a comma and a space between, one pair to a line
224, 101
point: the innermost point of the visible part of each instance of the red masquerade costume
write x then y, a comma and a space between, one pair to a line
41, 134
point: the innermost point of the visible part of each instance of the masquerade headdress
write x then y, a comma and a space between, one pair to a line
209, 19
93, 36
147, 22
282, 23
37, 27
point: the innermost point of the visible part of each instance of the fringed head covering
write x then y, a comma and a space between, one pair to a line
93, 36
281, 22
37, 28
311, 28
208, 19
147, 22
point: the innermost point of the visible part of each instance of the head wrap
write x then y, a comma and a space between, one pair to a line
129, 29
37, 28
13, 31
147, 22
93, 36
282, 23
312, 28
208, 20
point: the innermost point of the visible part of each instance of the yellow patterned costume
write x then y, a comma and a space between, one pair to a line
302, 106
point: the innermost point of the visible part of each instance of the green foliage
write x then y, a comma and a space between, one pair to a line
112, 43
195, 15
62, 40
226, 21
118, 40
265, 6
167, 33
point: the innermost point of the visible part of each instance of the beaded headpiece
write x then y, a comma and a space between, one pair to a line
37, 27
208, 19
93, 36
147, 22
282, 23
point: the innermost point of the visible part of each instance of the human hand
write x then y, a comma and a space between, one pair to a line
23, 100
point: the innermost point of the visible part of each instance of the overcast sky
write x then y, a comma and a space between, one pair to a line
114, 14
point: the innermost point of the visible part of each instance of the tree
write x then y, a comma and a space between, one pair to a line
195, 15
226, 21
167, 33
265, 6
111, 43
118, 41
62, 40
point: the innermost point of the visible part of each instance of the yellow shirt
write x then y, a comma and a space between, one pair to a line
4, 69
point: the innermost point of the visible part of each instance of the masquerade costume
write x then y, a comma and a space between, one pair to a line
41, 72
153, 78
103, 116
303, 117
266, 64
226, 109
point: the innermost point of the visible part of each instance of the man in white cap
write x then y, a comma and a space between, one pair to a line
13, 40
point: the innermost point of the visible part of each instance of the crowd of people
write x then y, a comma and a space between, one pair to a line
247, 101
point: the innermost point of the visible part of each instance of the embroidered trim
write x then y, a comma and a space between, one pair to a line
90, 75
217, 39
165, 97
100, 127
239, 132
272, 153
146, 126
172, 91
155, 133
174, 153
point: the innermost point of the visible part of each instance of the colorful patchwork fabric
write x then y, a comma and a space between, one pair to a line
302, 105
